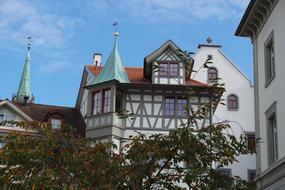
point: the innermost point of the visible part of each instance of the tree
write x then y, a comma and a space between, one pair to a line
56, 159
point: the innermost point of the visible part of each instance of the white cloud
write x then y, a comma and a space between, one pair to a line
50, 33
19, 19
184, 10
53, 66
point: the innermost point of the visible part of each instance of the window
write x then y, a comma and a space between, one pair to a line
210, 57
223, 178
163, 69
269, 60
181, 103
272, 134
169, 106
173, 70
96, 102
106, 100
55, 123
168, 69
175, 106
101, 101
2, 145
251, 175
232, 102
250, 136
212, 75
7, 117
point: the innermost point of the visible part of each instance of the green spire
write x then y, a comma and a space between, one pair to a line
113, 69
24, 90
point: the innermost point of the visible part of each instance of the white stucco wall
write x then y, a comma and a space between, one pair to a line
274, 91
238, 84
10, 114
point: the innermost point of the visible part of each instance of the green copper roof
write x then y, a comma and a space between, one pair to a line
113, 69
24, 89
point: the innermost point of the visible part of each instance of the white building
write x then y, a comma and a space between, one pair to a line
263, 22
238, 99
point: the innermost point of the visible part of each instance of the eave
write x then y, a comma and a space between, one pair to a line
255, 17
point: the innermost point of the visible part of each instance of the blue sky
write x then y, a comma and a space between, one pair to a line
66, 34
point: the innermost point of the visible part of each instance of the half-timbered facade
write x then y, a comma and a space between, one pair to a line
156, 98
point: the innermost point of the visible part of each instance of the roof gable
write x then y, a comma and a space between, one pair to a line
16, 109
168, 51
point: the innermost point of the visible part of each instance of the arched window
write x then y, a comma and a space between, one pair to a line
232, 102
212, 74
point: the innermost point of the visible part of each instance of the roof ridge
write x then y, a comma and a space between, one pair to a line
50, 105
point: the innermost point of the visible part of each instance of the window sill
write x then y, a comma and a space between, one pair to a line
99, 114
230, 109
268, 81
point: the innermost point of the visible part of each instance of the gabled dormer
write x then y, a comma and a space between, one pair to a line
168, 65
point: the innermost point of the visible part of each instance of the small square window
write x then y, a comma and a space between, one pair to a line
210, 57
55, 123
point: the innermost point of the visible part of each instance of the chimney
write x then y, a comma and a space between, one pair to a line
97, 59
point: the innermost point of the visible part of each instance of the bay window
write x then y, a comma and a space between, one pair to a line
101, 101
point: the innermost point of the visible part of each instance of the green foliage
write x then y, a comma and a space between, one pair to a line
56, 159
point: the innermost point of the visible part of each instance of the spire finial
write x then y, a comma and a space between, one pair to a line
116, 33
24, 90
209, 40
29, 42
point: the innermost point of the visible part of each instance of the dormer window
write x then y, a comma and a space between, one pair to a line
168, 69
55, 123
163, 69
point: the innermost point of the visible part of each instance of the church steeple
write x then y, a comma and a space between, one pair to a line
113, 69
24, 91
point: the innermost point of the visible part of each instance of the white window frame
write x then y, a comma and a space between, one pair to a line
55, 123
269, 59
272, 133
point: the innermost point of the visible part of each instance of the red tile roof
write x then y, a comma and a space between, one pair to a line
135, 75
